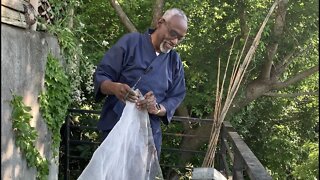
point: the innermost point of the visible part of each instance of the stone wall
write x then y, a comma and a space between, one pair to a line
23, 59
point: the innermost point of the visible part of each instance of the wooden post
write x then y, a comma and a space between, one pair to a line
237, 167
71, 14
222, 151
35, 4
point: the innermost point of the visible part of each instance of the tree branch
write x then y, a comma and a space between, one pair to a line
287, 60
157, 12
293, 95
123, 17
296, 78
281, 67
276, 36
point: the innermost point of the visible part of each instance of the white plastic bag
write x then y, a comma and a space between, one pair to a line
128, 152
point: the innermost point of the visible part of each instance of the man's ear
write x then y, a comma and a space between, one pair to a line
161, 20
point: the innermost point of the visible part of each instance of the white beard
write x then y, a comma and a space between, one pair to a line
162, 49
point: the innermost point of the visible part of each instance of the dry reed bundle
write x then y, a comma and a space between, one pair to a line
238, 72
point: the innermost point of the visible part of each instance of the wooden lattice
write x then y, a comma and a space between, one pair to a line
45, 11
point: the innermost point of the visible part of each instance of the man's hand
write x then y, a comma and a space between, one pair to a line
122, 91
149, 103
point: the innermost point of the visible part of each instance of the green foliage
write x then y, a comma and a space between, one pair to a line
276, 138
54, 101
84, 151
309, 168
69, 30
26, 137
273, 128
171, 158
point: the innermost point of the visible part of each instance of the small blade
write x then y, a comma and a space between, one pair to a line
134, 86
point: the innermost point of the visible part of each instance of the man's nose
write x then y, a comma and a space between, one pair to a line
175, 41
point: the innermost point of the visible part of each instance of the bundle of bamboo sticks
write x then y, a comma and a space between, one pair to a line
238, 72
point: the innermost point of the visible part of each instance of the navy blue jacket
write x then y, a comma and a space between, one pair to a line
125, 62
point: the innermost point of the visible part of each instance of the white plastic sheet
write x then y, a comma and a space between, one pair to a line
128, 152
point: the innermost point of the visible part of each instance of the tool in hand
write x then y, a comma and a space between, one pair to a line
133, 88
149, 68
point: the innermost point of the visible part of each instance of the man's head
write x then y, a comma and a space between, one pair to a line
171, 29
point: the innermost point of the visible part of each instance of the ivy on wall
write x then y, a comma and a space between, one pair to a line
26, 136
60, 83
54, 101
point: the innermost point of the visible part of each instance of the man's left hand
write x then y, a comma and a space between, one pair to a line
149, 103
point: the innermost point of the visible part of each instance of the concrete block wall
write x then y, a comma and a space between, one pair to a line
23, 59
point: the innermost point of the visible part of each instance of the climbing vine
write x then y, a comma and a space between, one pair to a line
60, 83
66, 27
26, 136
54, 101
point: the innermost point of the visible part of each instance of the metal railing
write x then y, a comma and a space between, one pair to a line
234, 158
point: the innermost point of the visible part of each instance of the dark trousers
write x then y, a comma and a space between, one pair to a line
104, 134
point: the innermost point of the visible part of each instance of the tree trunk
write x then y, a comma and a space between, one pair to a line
123, 16
157, 12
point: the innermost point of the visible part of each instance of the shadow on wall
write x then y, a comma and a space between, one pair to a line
23, 58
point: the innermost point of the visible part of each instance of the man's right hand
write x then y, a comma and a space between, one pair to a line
122, 91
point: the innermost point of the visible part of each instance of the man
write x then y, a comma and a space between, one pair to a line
149, 63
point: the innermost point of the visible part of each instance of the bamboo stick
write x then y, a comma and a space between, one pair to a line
235, 81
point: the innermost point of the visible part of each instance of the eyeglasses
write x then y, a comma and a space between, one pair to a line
174, 34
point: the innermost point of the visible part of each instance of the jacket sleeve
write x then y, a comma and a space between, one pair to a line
175, 94
108, 69
113, 62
